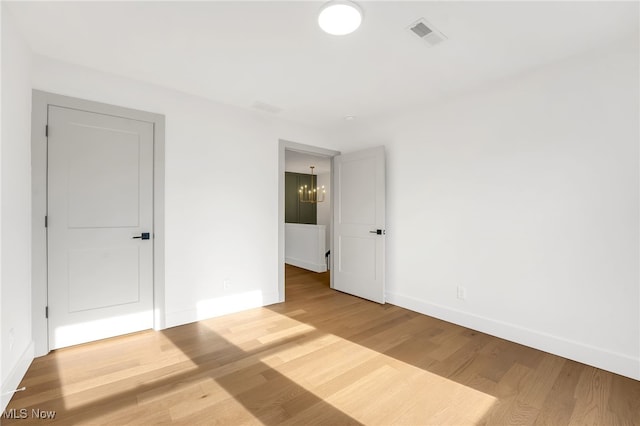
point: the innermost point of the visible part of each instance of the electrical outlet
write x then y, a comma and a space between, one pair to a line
462, 293
226, 284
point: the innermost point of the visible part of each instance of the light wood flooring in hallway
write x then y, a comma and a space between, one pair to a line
322, 357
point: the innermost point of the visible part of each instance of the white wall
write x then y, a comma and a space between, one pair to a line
525, 192
212, 232
15, 330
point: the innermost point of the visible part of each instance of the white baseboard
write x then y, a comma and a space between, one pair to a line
174, 319
611, 361
270, 298
222, 305
315, 267
16, 375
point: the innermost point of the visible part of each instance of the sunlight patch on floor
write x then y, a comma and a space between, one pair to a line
260, 327
416, 395
112, 372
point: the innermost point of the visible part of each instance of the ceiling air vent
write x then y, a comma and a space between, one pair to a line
426, 32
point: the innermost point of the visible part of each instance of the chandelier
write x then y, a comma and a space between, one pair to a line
311, 194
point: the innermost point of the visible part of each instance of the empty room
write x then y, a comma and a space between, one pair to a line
320, 212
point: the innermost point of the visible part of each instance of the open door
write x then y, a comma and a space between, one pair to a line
359, 224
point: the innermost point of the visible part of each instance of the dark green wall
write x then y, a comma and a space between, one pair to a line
295, 211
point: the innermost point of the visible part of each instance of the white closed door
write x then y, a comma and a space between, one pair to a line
100, 197
359, 224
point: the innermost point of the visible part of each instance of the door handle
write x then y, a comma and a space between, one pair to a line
378, 232
143, 236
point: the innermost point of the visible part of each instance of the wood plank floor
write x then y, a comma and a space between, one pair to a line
322, 357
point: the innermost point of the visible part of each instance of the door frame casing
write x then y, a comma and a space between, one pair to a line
283, 146
39, 285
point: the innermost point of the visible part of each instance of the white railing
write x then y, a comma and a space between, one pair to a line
305, 246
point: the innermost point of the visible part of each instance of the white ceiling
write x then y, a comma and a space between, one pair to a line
240, 53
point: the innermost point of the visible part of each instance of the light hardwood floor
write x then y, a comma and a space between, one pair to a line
322, 357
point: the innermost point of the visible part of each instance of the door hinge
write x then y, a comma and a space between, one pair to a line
46, 221
46, 130
46, 312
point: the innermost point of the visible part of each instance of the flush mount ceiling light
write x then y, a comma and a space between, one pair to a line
340, 17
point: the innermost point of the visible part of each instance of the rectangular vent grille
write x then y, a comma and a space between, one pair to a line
421, 29
426, 32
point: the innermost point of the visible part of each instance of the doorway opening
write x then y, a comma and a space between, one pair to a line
307, 229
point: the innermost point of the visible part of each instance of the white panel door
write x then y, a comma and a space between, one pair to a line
359, 224
100, 197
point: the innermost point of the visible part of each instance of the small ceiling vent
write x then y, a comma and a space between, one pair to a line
426, 32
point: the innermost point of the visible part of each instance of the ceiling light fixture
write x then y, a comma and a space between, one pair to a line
312, 194
340, 17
